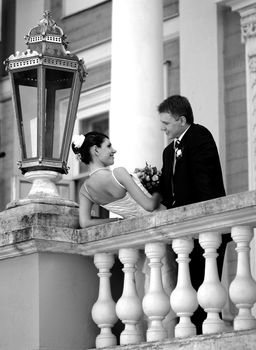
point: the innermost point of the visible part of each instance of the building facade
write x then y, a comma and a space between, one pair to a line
137, 52
189, 48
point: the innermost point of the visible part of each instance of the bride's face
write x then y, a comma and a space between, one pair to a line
106, 153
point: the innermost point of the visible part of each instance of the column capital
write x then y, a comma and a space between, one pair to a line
237, 5
247, 10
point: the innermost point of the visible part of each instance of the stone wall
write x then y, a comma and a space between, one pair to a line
235, 105
97, 76
9, 139
172, 54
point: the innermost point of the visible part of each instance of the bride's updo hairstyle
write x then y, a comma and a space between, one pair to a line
81, 144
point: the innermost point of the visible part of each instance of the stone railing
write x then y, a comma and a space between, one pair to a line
151, 305
178, 227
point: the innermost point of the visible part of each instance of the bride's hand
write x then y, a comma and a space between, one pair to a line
161, 207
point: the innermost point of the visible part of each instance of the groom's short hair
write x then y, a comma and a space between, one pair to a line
177, 106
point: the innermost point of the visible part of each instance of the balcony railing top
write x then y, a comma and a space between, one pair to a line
32, 230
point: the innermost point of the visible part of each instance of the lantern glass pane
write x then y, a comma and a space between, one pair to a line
58, 85
26, 100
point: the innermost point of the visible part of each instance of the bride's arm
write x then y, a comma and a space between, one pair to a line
148, 203
85, 218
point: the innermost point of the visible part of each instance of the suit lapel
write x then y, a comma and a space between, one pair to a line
186, 136
183, 144
171, 156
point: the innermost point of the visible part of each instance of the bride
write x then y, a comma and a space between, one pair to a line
123, 194
115, 190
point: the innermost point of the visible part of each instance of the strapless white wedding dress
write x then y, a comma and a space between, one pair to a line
125, 207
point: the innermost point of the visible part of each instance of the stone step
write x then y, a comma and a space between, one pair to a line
240, 340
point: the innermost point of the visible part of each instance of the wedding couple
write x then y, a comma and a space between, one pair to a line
191, 171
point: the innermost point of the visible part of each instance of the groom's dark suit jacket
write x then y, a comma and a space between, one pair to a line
198, 175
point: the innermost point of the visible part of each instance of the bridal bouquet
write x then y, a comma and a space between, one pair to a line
149, 176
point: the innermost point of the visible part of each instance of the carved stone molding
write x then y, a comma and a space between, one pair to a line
252, 109
248, 24
237, 5
247, 10
252, 63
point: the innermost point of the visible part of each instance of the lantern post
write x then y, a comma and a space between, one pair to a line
41, 78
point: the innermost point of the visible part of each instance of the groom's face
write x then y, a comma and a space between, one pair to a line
172, 126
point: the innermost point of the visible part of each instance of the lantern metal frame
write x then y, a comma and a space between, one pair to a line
47, 56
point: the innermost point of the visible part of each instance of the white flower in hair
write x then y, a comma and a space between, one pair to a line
78, 140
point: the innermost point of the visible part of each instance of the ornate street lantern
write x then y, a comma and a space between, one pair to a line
46, 83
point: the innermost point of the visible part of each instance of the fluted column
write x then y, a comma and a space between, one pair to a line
248, 25
103, 311
183, 298
247, 11
128, 307
243, 287
136, 81
156, 304
211, 295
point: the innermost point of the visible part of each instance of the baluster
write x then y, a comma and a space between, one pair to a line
243, 288
211, 294
169, 280
103, 311
156, 304
128, 307
183, 298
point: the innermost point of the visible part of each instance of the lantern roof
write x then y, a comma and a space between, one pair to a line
47, 37
47, 45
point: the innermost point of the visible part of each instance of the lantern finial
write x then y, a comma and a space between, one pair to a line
47, 37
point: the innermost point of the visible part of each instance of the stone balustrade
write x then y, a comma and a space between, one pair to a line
145, 239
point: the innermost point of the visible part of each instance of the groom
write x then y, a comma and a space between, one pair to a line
191, 173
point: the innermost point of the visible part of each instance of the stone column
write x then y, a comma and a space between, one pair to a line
136, 82
247, 10
201, 66
248, 28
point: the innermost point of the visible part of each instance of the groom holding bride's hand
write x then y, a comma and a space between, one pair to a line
191, 172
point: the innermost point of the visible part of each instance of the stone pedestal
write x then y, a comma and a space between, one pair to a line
44, 302
46, 293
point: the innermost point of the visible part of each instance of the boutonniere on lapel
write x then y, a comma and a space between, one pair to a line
178, 149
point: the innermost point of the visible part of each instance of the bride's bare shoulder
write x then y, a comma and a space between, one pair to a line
122, 175
120, 171
119, 168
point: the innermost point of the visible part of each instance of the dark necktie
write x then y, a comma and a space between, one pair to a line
176, 144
